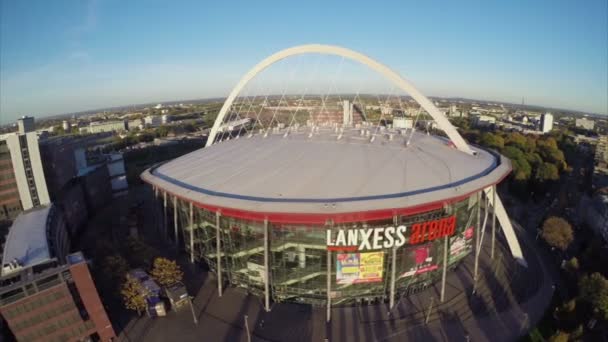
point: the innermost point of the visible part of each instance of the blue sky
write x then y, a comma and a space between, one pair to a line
65, 56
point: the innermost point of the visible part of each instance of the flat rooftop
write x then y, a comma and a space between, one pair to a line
324, 174
26, 242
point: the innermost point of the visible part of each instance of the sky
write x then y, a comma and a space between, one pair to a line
66, 56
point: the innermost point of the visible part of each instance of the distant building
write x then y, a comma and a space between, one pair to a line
166, 119
347, 113
66, 125
484, 120
26, 124
27, 167
546, 122
46, 294
107, 126
400, 123
584, 123
153, 121
135, 123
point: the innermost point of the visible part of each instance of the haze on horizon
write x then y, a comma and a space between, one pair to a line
70, 56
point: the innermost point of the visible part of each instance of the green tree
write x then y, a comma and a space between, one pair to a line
492, 141
166, 272
115, 267
557, 232
546, 172
530, 144
134, 295
516, 140
549, 142
139, 253
594, 290
162, 131
534, 159
572, 265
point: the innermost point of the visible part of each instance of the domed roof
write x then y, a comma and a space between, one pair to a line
324, 174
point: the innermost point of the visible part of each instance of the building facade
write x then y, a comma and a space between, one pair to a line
301, 253
27, 168
546, 122
584, 123
10, 202
55, 303
46, 294
107, 126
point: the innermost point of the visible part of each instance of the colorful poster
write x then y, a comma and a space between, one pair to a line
461, 244
418, 260
355, 268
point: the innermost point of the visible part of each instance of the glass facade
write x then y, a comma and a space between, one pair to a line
298, 253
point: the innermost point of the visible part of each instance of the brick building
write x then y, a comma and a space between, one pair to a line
46, 294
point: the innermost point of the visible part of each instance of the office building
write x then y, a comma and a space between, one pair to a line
48, 295
107, 126
546, 122
153, 121
26, 124
27, 166
10, 203
584, 123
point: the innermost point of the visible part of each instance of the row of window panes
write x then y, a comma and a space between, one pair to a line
9, 195
49, 329
6, 176
32, 305
44, 316
8, 186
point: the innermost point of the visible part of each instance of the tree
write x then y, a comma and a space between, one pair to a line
572, 265
166, 272
516, 140
559, 336
115, 267
139, 253
134, 295
492, 141
557, 232
594, 290
546, 172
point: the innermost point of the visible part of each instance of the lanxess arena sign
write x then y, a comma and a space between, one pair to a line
363, 239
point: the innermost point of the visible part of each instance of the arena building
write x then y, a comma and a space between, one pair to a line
334, 213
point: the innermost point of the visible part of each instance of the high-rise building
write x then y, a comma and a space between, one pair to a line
10, 204
26, 124
546, 122
45, 294
27, 168
347, 113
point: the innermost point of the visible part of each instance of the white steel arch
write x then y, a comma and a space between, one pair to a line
385, 71
404, 85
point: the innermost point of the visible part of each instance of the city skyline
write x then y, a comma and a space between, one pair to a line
76, 56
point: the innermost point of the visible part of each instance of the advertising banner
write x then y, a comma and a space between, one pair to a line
419, 260
461, 244
355, 268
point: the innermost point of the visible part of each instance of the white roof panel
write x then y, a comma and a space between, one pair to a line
298, 173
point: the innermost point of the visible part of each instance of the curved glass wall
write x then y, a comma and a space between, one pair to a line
298, 254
